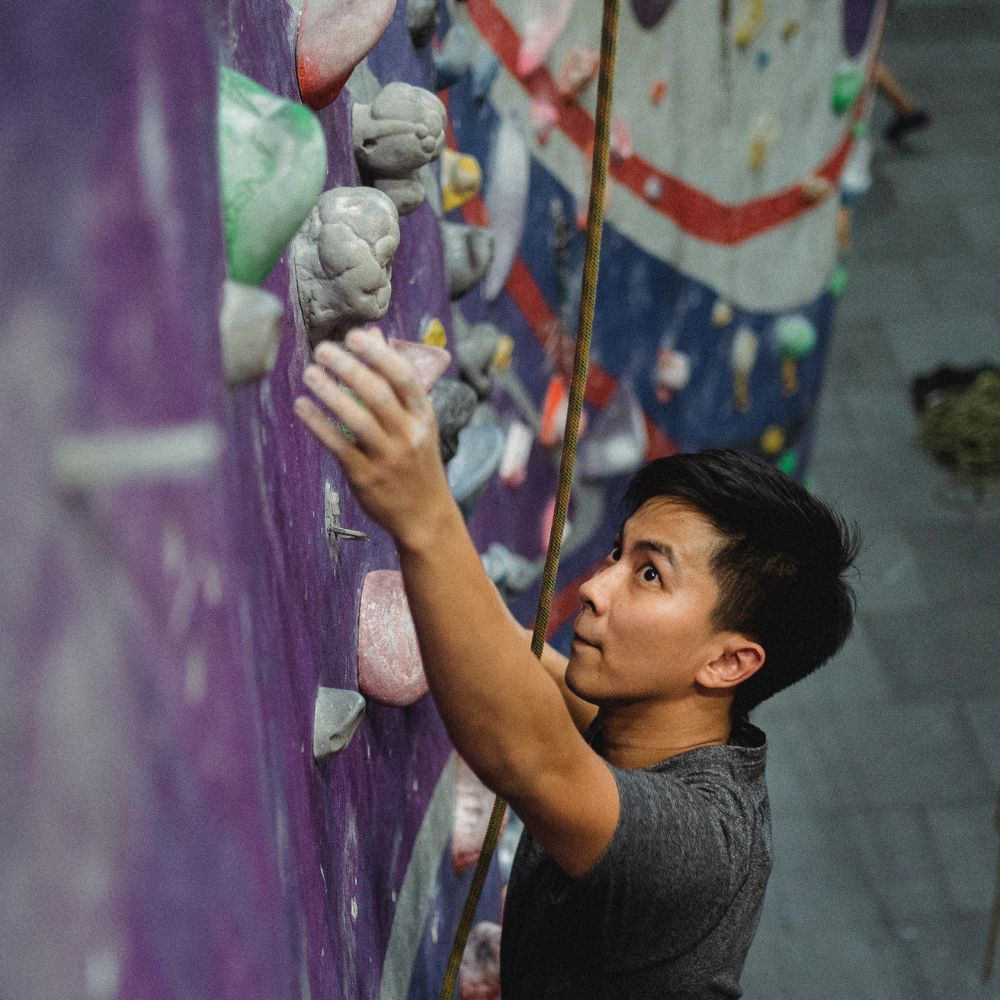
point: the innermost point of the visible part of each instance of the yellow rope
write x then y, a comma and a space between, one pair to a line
581, 359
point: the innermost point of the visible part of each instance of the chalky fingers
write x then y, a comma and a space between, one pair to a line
393, 367
352, 414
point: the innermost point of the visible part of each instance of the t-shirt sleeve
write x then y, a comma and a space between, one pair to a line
673, 865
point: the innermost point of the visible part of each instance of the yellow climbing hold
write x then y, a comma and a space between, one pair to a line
789, 30
763, 135
503, 353
722, 313
751, 21
461, 177
433, 333
772, 440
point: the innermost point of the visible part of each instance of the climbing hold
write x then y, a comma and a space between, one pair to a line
672, 373
788, 462
511, 574
617, 440
103, 461
722, 313
479, 972
468, 251
650, 12
272, 166
772, 440
421, 20
555, 408
657, 92
544, 118
461, 178
453, 403
548, 517
856, 177
796, 338
429, 361
545, 22
342, 259
473, 805
402, 130
250, 328
763, 135
621, 139
652, 188
333, 37
750, 22
433, 333
838, 280
789, 30
475, 462
742, 359
335, 720
455, 58
484, 70
763, 59
579, 67
815, 189
478, 349
506, 202
390, 670
516, 452
848, 82
504, 353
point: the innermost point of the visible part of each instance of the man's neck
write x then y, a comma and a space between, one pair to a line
639, 735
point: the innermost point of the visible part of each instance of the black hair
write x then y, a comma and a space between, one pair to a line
780, 567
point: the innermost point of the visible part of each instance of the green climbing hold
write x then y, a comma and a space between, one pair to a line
272, 162
838, 280
848, 82
796, 335
788, 462
860, 130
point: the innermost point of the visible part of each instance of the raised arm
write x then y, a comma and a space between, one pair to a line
505, 716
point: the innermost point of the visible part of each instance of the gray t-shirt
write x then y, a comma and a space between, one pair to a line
670, 909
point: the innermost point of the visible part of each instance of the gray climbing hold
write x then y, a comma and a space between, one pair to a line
250, 328
421, 20
480, 448
343, 260
455, 58
475, 348
335, 720
617, 441
468, 251
454, 403
511, 574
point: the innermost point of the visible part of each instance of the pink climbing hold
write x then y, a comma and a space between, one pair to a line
479, 973
579, 67
621, 139
473, 805
429, 362
390, 670
545, 22
544, 118
333, 37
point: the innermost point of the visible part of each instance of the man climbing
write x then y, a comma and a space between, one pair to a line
638, 777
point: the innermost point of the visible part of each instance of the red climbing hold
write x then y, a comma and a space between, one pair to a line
333, 37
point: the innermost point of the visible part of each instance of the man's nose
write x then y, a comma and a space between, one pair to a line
595, 591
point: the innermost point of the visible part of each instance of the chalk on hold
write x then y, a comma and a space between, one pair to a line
343, 260
272, 167
468, 251
479, 971
333, 37
461, 178
617, 440
336, 718
453, 403
250, 329
848, 82
421, 20
429, 362
390, 670
750, 22
545, 22
511, 574
475, 462
473, 804
579, 67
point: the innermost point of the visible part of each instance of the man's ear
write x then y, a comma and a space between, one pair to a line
739, 659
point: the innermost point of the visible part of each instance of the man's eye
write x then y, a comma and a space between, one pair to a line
649, 574
616, 553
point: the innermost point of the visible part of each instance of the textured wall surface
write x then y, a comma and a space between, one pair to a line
167, 618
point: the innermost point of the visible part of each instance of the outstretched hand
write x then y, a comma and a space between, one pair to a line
390, 454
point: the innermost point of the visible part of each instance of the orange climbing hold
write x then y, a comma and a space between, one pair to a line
657, 92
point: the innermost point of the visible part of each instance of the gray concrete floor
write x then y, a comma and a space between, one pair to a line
885, 766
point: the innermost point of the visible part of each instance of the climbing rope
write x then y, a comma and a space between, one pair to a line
581, 359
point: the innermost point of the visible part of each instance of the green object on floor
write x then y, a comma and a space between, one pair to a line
848, 82
272, 162
838, 280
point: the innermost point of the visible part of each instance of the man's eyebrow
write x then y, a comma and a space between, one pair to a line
649, 545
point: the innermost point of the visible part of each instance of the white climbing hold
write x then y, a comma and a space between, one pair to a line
336, 718
250, 329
